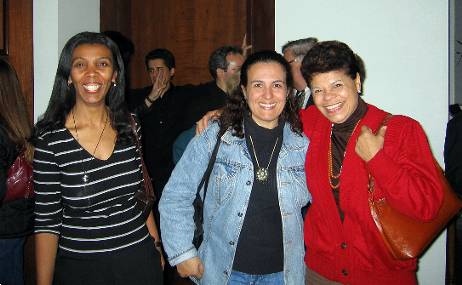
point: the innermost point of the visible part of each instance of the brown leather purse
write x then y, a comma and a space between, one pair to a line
404, 236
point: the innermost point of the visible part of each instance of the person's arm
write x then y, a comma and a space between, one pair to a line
152, 228
176, 204
48, 210
3, 171
402, 164
46, 246
203, 123
245, 47
158, 88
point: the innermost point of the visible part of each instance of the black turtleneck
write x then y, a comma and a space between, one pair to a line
340, 135
260, 246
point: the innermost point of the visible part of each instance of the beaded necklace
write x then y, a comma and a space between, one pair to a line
332, 176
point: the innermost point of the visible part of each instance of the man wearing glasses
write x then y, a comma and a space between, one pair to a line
293, 52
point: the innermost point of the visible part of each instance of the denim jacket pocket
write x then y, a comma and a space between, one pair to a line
224, 177
299, 188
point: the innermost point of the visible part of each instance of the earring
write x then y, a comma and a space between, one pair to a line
69, 83
114, 84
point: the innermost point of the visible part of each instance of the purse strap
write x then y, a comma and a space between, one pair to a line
148, 189
371, 184
205, 178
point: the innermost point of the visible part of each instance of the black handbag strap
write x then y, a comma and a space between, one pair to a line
208, 171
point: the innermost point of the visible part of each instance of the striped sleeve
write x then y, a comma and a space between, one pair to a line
48, 207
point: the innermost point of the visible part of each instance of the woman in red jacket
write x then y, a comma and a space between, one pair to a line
347, 145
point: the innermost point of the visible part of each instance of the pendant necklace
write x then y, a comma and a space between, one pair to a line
85, 176
262, 172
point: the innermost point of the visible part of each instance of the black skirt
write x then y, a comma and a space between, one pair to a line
138, 264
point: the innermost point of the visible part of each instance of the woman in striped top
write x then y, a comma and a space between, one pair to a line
86, 173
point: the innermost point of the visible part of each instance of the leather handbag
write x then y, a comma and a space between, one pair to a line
404, 236
145, 196
19, 181
198, 202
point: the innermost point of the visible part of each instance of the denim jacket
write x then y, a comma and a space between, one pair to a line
226, 203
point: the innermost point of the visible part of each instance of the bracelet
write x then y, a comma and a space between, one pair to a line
149, 99
158, 243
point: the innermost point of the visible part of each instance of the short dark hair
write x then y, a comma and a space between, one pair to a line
329, 56
237, 106
218, 58
300, 47
160, 53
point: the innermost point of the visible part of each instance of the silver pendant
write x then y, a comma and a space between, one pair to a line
85, 178
262, 174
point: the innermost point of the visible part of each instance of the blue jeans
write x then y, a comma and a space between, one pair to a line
11, 261
239, 278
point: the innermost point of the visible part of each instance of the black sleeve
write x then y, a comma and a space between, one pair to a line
136, 101
7, 155
453, 153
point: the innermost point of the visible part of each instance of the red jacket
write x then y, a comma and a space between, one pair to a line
352, 252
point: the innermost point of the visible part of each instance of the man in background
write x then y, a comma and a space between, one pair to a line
294, 52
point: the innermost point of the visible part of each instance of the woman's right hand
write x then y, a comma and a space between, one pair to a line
202, 124
191, 267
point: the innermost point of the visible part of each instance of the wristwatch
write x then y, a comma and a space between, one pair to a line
149, 99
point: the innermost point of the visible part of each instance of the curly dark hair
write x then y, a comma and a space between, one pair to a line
237, 107
63, 96
329, 56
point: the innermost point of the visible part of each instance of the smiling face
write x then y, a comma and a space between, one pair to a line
266, 93
92, 72
335, 94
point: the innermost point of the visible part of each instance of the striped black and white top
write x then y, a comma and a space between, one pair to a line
95, 217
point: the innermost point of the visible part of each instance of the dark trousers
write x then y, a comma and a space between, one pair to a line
138, 264
11, 261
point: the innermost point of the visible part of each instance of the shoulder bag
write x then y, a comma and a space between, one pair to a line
144, 197
198, 203
19, 180
404, 236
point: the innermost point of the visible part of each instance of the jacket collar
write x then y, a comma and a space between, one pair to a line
290, 140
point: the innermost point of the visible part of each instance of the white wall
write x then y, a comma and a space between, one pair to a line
404, 44
54, 23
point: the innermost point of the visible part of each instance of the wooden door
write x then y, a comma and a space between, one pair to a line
18, 49
190, 29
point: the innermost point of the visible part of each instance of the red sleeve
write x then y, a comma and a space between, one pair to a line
405, 170
307, 117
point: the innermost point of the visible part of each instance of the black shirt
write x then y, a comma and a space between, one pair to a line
161, 123
260, 247
203, 98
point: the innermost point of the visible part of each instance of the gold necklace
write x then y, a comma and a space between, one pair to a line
262, 172
85, 176
332, 176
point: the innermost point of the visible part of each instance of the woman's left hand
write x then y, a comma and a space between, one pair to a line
368, 143
162, 259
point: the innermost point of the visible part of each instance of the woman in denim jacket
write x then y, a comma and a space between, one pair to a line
253, 227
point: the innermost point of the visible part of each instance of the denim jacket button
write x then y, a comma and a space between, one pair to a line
248, 182
231, 242
239, 214
225, 272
